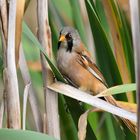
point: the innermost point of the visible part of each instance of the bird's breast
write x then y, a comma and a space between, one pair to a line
64, 60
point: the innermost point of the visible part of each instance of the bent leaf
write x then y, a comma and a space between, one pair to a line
117, 90
91, 100
82, 125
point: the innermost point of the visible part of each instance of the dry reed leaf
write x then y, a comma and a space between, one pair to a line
82, 125
91, 100
96, 102
19, 15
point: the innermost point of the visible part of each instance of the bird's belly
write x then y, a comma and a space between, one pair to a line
72, 69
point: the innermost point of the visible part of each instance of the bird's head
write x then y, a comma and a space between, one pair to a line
69, 38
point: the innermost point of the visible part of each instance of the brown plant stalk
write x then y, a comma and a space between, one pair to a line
51, 97
13, 103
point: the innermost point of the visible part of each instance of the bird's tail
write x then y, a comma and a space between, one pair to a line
131, 125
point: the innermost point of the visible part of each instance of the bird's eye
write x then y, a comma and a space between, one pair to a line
68, 36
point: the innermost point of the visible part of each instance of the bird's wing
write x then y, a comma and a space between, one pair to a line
86, 61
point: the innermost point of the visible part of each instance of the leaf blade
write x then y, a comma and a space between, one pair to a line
10, 134
29, 34
117, 90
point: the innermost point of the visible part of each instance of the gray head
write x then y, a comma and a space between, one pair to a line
69, 38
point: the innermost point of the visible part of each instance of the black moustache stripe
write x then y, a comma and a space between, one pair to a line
59, 43
70, 45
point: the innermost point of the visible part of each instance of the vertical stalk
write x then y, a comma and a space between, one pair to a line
135, 23
4, 34
13, 104
51, 98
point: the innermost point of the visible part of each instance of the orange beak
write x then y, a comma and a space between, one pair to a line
62, 38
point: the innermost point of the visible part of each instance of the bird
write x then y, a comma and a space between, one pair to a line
75, 63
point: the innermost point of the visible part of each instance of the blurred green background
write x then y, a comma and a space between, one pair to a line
104, 27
